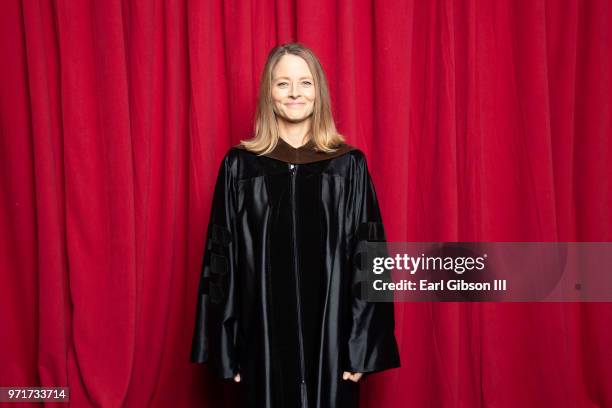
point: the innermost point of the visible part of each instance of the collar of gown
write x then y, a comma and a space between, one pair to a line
306, 153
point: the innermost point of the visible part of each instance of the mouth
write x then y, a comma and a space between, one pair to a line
295, 105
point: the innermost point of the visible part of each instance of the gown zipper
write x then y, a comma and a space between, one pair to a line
303, 393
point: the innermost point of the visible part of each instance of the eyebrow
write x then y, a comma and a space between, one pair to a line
284, 77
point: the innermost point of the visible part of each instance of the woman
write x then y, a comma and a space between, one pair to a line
279, 307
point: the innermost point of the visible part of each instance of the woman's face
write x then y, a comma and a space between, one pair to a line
293, 90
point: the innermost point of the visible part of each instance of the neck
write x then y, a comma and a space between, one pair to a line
294, 133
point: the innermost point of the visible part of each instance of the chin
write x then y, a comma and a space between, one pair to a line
296, 118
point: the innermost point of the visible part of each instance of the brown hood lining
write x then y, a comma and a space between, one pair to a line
306, 153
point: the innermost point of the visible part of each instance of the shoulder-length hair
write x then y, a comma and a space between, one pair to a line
322, 130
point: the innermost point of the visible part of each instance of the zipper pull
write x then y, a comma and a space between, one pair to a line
292, 167
304, 393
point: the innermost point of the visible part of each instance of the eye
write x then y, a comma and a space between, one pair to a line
308, 83
281, 84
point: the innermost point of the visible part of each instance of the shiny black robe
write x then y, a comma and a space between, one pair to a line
279, 299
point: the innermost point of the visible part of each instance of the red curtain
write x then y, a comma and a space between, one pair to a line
482, 120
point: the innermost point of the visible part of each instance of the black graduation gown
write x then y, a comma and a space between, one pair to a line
279, 300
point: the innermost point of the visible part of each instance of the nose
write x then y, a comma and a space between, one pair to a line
294, 90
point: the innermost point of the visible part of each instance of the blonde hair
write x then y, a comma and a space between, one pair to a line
322, 128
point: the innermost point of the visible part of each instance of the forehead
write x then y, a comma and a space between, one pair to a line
289, 66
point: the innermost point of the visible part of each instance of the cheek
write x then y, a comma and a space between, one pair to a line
277, 95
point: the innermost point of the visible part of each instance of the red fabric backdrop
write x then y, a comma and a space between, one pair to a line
481, 119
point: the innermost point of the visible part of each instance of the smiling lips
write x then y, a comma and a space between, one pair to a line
294, 105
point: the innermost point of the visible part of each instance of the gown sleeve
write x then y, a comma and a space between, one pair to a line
216, 325
372, 345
